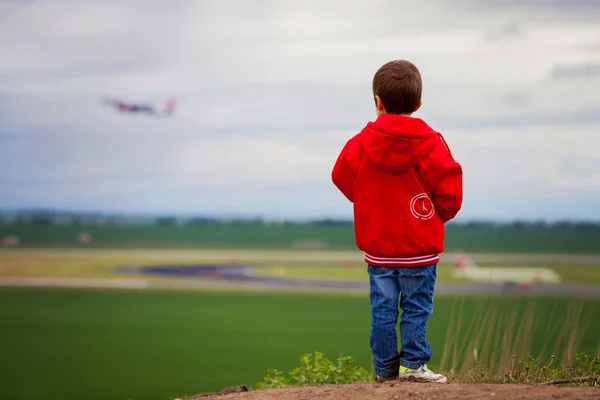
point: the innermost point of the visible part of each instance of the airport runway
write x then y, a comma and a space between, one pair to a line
239, 277
243, 274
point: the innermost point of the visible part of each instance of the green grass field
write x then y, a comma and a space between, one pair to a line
123, 344
569, 273
474, 239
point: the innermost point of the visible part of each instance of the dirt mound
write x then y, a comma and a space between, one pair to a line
413, 391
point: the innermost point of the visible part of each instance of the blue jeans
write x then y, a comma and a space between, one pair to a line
414, 288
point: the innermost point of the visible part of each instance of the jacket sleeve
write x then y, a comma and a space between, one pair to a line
446, 182
345, 169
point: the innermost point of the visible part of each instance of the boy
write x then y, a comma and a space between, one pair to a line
404, 185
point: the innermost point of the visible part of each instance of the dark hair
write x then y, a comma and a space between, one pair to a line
398, 85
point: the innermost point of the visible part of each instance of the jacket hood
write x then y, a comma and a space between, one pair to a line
397, 142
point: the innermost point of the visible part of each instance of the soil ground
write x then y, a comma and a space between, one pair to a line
413, 391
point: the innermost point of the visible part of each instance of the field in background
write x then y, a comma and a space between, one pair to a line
528, 239
155, 344
123, 344
346, 265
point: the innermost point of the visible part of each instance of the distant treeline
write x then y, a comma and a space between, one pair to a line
50, 218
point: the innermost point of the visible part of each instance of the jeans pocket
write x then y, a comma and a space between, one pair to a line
374, 270
417, 271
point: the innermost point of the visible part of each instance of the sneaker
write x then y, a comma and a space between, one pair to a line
422, 374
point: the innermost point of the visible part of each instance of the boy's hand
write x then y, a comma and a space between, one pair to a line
447, 184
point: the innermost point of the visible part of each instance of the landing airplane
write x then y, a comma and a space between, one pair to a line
466, 268
135, 108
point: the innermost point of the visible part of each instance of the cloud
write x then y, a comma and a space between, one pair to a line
511, 30
581, 8
584, 71
270, 92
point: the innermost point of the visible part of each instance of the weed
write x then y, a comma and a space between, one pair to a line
317, 370
490, 335
533, 371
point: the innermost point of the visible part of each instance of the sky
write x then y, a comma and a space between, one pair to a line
269, 91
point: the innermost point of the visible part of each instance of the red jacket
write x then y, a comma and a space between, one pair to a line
404, 184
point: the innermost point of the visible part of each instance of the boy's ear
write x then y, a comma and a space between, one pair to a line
419, 106
379, 106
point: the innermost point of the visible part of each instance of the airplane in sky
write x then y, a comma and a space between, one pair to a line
142, 108
466, 268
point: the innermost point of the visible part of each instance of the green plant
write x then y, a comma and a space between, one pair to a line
273, 378
317, 370
534, 371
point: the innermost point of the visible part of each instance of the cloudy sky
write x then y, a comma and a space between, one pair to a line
271, 90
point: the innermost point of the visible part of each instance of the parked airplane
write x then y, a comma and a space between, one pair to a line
466, 268
135, 108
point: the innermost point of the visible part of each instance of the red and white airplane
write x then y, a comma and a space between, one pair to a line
466, 268
136, 108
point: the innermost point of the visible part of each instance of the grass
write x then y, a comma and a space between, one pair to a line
73, 344
473, 239
583, 367
490, 334
569, 273
580, 370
